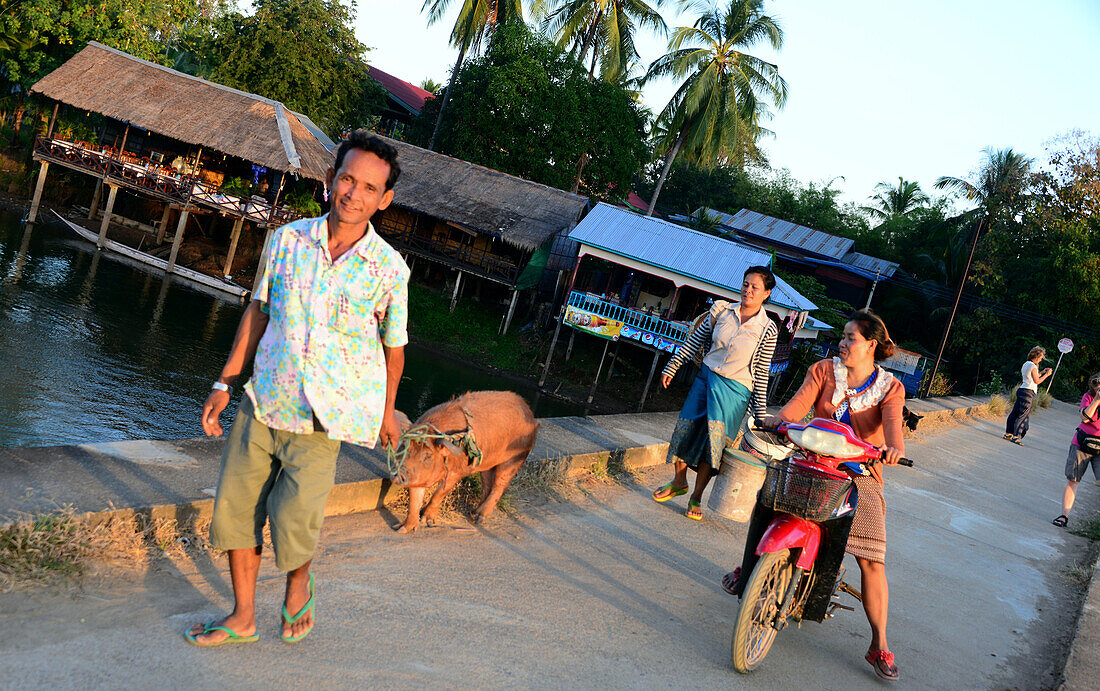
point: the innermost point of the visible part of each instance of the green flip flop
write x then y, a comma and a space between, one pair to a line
213, 626
308, 608
692, 504
672, 490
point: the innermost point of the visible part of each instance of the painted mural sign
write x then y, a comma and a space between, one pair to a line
592, 323
649, 339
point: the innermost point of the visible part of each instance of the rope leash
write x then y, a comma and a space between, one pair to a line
421, 434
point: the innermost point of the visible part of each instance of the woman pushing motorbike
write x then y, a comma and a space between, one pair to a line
854, 390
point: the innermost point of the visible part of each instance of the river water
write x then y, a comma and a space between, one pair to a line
95, 347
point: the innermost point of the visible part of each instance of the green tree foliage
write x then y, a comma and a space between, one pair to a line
719, 107
303, 53
606, 28
528, 109
38, 35
890, 202
475, 23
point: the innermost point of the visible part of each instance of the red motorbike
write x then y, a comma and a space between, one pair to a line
812, 498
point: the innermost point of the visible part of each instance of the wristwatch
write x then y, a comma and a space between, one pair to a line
220, 386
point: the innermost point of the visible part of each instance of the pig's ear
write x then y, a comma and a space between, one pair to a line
403, 420
451, 446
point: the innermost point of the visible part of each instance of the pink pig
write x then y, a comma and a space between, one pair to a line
497, 424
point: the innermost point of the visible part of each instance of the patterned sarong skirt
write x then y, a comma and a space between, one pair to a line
868, 536
709, 420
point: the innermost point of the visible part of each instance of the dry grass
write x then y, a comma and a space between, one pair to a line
998, 406
1043, 399
59, 547
1079, 575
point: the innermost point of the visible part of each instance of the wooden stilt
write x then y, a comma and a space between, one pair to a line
263, 259
458, 287
553, 344
233, 237
38, 187
125, 134
569, 348
53, 120
596, 379
614, 359
649, 379
112, 192
177, 240
96, 198
162, 228
511, 311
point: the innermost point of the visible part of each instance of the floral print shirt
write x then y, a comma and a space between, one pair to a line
321, 354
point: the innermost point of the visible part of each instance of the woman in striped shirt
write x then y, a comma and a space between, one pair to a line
738, 339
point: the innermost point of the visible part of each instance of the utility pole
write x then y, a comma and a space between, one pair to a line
954, 308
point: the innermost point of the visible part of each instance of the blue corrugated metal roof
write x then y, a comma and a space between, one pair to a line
785, 233
874, 265
707, 258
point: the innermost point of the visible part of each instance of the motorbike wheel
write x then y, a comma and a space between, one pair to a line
753, 632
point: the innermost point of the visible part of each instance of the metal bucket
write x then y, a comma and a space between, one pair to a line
739, 479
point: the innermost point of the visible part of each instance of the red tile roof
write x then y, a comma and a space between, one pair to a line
409, 95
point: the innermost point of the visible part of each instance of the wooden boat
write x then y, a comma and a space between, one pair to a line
157, 262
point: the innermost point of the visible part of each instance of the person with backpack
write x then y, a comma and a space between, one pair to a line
1084, 449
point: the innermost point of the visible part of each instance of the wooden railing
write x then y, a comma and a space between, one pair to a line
159, 180
639, 320
476, 261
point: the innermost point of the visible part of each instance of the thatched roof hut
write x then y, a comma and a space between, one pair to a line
103, 80
522, 213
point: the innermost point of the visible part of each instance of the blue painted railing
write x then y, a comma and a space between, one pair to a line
639, 320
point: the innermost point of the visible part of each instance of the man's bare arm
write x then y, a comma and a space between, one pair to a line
395, 365
251, 330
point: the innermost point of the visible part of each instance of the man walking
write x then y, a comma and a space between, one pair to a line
327, 329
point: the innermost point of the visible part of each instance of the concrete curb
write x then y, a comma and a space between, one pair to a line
371, 495
1084, 656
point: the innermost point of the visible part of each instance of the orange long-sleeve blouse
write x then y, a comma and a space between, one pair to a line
876, 413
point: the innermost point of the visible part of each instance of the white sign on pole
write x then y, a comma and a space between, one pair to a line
1064, 346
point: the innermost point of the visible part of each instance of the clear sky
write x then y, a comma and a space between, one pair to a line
878, 88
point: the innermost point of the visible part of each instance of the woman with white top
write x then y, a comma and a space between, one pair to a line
1017, 424
739, 340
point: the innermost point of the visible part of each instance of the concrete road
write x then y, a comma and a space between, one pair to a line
607, 589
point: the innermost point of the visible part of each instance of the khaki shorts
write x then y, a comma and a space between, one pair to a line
269, 474
1078, 461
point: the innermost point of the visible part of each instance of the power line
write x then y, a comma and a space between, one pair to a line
1000, 309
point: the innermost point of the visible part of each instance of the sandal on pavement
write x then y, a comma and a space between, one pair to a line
729, 581
668, 492
694, 512
287, 619
1061, 521
1017, 441
883, 662
211, 627
1006, 436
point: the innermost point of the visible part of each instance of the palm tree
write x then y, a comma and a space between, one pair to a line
606, 27
430, 85
999, 186
476, 19
723, 98
998, 191
892, 202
